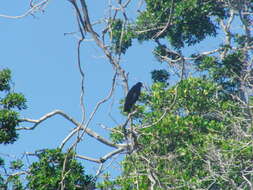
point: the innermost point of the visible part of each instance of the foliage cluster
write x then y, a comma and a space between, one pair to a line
10, 102
195, 134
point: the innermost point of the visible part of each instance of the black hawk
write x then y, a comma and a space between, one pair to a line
132, 96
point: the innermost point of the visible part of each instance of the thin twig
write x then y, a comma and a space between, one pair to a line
28, 12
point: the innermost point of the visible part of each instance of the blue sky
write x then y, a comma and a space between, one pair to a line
43, 62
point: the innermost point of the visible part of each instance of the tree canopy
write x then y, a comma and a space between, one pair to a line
192, 127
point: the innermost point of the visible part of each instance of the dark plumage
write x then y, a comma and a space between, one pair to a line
132, 96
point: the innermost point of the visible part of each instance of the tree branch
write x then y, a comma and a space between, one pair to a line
90, 132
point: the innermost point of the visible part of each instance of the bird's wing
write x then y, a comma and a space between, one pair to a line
132, 97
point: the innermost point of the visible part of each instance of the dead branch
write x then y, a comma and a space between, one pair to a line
30, 11
90, 132
104, 158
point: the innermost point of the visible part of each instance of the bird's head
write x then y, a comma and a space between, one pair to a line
139, 84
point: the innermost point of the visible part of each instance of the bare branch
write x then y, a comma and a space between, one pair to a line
102, 101
85, 22
104, 158
88, 131
33, 9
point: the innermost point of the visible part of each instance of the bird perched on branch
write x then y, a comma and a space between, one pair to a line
132, 96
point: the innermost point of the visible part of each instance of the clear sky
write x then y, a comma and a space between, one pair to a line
43, 62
